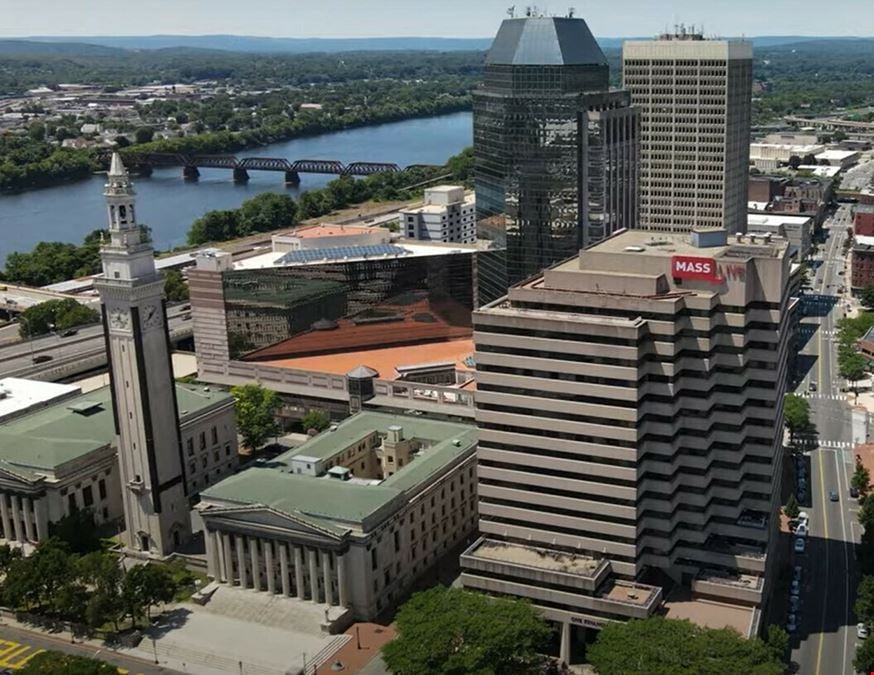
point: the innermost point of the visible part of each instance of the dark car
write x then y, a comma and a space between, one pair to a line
854, 493
42, 358
833, 495
69, 332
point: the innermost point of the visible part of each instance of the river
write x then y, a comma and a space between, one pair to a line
169, 205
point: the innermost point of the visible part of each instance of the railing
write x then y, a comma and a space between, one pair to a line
277, 375
426, 393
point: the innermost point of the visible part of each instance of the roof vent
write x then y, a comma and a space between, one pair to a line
456, 442
634, 249
334, 427
206, 388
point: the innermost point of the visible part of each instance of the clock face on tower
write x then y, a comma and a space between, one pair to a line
119, 319
151, 316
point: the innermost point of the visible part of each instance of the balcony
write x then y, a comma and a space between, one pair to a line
729, 585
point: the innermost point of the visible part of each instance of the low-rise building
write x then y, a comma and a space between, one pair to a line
769, 156
862, 262
19, 396
839, 158
797, 230
63, 457
351, 518
329, 236
863, 220
448, 214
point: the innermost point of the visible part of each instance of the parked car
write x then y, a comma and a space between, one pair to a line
69, 332
797, 573
799, 545
801, 530
803, 516
792, 623
833, 496
794, 603
861, 631
854, 493
795, 588
812, 386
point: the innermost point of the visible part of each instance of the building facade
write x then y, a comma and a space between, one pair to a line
448, 214
63, 457
629, 405
555, 150
349, 519
144, 397
694, 97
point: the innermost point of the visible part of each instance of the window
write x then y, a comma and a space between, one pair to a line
88, 496
101, 489
373, 561
215, 455
71, 503
397, 541
190, 446
202, 440
192, 467
228, 450
203, 461
214, 436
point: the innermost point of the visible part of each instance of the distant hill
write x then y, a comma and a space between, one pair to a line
105, 45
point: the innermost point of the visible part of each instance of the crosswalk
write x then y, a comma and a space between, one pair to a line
823, 397
835, 445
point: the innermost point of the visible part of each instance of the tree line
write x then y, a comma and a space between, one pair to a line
270, 211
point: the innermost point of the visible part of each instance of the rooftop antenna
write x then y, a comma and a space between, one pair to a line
571, 11
529, 11
511, 12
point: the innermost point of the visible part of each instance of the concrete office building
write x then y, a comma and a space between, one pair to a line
629, 406
447, 215
694, 97
351, 518
797, 230
555, 149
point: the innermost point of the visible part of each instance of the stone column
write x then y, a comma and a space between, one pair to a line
27, 514
256, 566
341, 581
314, 575
16, 518
241, 560
42, 521
298, 572
212, 563
4, 514
271, 569
326, 577
565, 650
283, 569
227, 559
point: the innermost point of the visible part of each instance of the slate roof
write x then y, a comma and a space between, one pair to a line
545, 41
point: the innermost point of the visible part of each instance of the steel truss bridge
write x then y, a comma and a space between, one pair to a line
144, 162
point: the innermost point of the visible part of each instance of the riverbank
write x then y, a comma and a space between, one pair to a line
169, 205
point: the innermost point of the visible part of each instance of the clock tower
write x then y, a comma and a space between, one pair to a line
150, 461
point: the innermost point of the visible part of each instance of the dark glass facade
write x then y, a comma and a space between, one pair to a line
280, 312
555, 150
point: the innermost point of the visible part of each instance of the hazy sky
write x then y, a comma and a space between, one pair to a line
452, 18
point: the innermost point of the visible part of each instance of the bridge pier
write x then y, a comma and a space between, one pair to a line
240, 175
292, 178
190, 173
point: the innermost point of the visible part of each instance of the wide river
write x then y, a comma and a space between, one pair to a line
169, 205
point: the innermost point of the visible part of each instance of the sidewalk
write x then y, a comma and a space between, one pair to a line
351, 658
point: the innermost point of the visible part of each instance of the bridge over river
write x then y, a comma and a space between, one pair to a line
144, 162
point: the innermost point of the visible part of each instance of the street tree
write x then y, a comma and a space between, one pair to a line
175, 286
866, 296
103, 573
449, 631
777, 640
852, 366
796, 415
864, 607
265, 212
861, 478
659, 646
794, 162
55, 315
864, 661
145, 586
256, 413
792, 509
315, 419
866, 515
77, 530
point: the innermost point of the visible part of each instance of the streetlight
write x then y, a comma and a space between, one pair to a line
23, 319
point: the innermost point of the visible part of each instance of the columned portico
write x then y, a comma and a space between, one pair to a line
268, 562
16, 518
314, 574
42, 518
212, 555
227, 559
341, 581
4, 514
298, 572
283, 569
256, 567
27, 513
241, 561
326, 577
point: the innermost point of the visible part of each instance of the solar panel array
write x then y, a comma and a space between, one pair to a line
341, 252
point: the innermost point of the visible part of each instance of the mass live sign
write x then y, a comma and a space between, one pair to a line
689, 267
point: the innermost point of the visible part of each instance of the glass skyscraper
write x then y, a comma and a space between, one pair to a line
555, 149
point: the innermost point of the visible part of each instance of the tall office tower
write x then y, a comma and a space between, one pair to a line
629, 404
143, 390
555, 150
694, 97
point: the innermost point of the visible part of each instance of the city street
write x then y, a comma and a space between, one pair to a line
825, 641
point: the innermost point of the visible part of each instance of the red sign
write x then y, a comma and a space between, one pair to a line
689, 267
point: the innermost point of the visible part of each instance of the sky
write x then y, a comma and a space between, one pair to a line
449, 18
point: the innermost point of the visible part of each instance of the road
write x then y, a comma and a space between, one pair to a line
825, 643
18, 646
16, 358
860, 176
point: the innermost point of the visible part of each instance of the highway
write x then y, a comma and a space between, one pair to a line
16, 359
825, 642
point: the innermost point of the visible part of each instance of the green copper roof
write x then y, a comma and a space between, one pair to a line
70, 429
330, 502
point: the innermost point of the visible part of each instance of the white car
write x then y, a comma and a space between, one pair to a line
799, 545
791, 623
803, 516
801, 531
795, 589
861, 631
